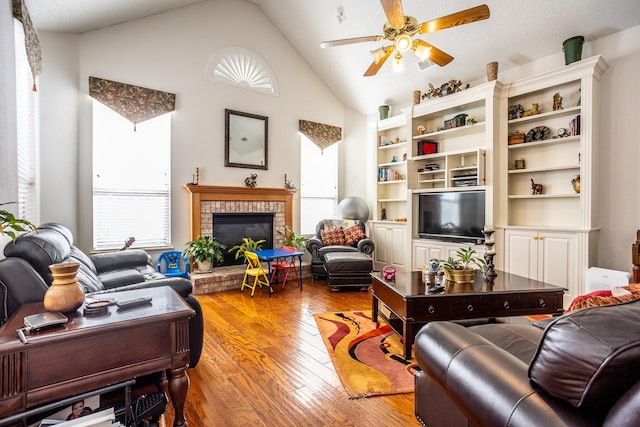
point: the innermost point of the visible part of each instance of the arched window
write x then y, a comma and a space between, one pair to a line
237, 66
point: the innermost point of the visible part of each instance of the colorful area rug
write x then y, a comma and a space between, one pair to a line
368, 360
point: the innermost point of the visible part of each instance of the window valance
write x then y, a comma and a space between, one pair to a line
135, 103
31, 41
320, 134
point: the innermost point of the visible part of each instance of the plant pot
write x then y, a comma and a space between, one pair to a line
65, 293
460, 276
204, 267
572, 49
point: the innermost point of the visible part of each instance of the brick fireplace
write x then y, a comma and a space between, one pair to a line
205, 200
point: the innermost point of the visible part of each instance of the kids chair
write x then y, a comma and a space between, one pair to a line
172, 262
282, 267
255, 270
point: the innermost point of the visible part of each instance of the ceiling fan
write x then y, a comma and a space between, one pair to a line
400, 29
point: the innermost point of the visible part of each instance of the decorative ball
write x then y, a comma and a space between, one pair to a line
353, 208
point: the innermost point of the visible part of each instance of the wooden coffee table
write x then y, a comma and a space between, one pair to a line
411, 305
89, 353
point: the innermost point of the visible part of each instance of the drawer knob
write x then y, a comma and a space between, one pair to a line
506, 305
542, 303
431, 310
469, 307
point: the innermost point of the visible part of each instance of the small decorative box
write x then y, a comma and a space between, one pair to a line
516, 138
455, 122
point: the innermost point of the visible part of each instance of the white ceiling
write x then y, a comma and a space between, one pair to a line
517, 32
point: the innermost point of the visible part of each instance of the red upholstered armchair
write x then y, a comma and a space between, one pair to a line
337, 235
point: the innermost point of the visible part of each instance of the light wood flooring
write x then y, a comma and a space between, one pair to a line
264, 364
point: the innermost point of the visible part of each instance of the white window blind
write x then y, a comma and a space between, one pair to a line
131, 180
27, 110
319, 184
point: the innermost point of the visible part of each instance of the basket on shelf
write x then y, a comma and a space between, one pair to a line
516, 138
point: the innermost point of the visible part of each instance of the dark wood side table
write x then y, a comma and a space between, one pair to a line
411, 305
89, 353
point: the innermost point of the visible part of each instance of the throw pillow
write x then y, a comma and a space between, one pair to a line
589, 357
353, 235
335, 236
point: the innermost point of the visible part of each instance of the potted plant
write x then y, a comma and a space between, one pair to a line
289, 238
461, 268
205, 250
248, 245
10, 225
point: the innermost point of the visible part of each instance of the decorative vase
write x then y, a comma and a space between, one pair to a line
460, 276
492, 71
572, 49
416, 97
65, 293
384, 111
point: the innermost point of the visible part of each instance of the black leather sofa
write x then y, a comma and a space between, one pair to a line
318, 250
113, 271
582, 369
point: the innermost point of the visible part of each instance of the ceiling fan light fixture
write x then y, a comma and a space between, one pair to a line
422, 52
403, 42
396, 64
378, 54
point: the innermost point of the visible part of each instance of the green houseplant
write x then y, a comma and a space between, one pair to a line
205, 250
248, 245
289, 238
460, 269
10, 225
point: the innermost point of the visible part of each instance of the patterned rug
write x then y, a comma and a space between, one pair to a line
368, 360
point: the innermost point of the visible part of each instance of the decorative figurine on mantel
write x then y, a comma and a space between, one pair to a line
195, 178
251, 181
288, 183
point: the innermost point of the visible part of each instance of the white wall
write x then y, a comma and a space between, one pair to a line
8, 135
169, 52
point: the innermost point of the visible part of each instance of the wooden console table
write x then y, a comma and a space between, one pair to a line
88, 353
412, 305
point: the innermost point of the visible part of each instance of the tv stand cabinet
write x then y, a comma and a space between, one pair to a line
426, 249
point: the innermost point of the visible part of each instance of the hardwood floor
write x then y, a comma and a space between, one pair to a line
264, 364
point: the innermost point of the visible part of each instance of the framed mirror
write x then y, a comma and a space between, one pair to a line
245, 140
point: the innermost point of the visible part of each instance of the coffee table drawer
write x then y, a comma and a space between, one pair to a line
450, 308
530, 303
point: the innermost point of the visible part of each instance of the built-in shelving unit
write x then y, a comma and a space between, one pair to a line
551, 236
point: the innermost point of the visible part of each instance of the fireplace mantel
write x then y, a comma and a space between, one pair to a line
199, 194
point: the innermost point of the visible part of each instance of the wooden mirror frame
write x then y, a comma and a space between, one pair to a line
240, 128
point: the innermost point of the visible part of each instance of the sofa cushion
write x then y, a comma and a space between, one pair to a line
353, 235
334, 236
589, 357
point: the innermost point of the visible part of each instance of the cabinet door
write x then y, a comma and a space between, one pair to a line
396, 245
557, 264
425, 250
380, 239
521, 253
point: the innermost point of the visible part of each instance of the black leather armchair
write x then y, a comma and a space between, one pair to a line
113, 271
318, 250
580, 370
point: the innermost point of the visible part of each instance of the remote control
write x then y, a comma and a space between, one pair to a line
132, 303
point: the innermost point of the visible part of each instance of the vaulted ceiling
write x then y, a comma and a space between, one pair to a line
516, 33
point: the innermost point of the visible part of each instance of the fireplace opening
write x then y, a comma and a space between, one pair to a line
230, 228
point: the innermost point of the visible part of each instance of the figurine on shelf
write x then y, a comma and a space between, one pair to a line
383, 215
533, 111
557, 102
535, 188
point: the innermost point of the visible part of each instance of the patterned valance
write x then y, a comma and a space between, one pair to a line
31, 41
320, 134
135, 103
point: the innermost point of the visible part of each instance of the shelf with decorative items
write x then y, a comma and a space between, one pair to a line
391, 155
453, 170
549, 145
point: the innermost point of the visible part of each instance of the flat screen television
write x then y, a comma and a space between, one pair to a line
455, 216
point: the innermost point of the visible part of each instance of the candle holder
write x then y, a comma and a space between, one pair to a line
489, 242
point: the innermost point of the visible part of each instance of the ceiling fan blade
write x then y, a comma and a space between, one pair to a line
438, 56
468, 16
376, 65
352, 40
393, 10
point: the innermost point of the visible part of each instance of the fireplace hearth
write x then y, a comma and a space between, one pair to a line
230, 228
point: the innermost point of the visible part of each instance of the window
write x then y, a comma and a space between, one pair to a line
27, 109
131, 180
319, 184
